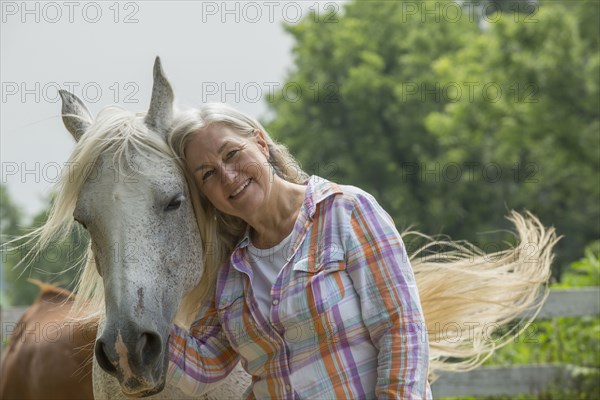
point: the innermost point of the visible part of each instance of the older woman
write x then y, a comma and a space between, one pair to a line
311, 287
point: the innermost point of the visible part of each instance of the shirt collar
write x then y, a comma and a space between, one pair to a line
317, 190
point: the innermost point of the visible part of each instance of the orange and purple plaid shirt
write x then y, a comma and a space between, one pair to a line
345, 319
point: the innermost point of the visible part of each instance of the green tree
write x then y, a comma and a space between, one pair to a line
10, 218
10, 215
364, 81
450, 121
543, 130
58, 263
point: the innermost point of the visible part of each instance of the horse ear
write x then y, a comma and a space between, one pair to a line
75, 114
160, 113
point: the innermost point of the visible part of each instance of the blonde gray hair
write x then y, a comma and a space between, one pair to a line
221, 232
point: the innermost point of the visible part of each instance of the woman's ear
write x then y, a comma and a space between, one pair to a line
262, 142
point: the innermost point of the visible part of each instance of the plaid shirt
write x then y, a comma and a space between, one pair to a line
345, 319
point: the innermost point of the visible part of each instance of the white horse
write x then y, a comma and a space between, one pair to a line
145, 262
134, 201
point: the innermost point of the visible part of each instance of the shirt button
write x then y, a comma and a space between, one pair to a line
275, 302
288, 388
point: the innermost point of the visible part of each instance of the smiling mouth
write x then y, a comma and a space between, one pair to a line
240, 189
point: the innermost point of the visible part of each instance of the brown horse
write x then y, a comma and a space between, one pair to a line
48, 355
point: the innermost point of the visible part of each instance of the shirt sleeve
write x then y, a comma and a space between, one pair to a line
379, 268
201, 357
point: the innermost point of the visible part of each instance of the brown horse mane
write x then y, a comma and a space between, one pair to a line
51, 292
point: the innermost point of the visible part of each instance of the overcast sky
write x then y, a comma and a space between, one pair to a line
103, 52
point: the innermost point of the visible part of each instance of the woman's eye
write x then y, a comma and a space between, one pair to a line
231, 154
208, 174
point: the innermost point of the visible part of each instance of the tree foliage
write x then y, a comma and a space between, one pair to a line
58, 263
450, 122
10, 218
10, 215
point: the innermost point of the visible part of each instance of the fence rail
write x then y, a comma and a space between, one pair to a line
571, 303
509, 381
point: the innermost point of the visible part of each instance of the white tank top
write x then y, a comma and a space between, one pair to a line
266, 264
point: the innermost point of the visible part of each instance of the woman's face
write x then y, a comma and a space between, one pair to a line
232, 171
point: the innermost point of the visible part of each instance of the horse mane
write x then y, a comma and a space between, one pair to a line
51, 292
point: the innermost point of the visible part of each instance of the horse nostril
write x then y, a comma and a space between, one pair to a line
149, 348
102, 358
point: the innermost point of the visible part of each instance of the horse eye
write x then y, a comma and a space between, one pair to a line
175, 203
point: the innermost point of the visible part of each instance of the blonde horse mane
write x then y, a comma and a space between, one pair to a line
465, 294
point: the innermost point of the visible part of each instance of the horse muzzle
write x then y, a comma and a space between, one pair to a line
136, 358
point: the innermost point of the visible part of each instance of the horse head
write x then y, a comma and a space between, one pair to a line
133, 199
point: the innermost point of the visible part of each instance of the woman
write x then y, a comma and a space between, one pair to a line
313, 290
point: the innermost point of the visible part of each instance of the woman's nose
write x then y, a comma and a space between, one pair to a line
229, 175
